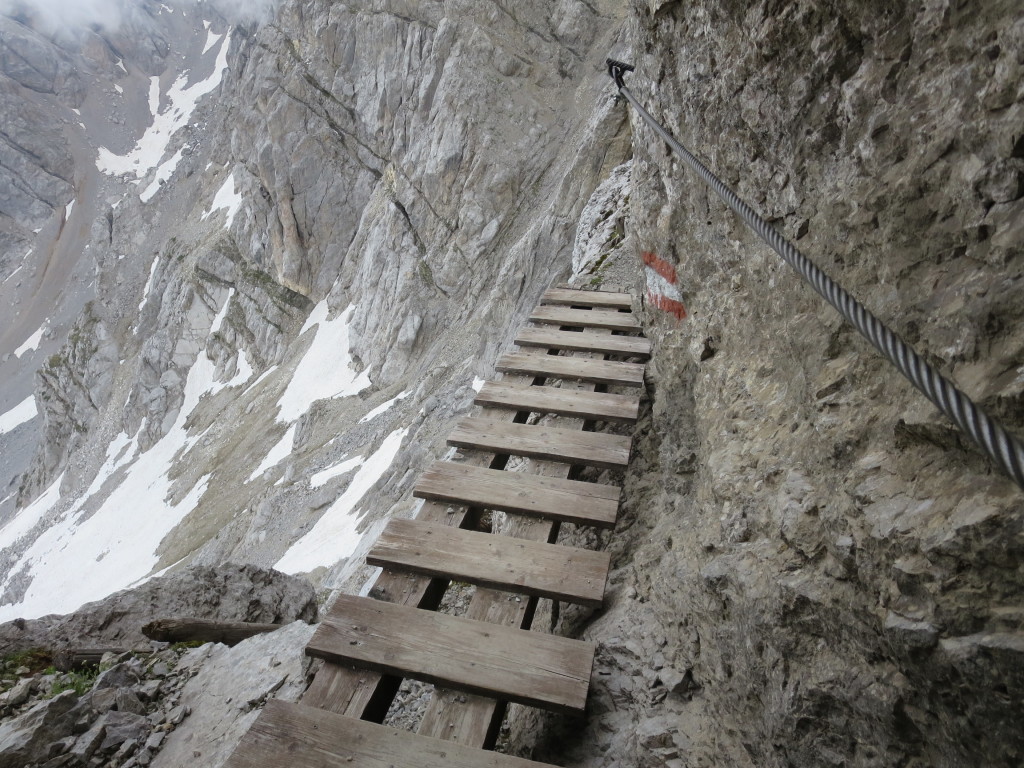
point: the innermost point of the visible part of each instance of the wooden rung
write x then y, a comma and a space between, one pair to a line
569, 501
306, 737
508, 664
577, 368
569, 446
586, 318
583, 341
600, 406
571, 297
496, 562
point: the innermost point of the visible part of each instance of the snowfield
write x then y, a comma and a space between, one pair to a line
24, 411
325, 371
335, 535
150, 149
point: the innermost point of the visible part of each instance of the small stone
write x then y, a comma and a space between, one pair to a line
160, 669
155, 741
86, 744
176, 715
121, 727
19, 694
127, 701
22, 671
149, 690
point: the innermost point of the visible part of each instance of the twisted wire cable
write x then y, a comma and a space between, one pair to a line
1006, 449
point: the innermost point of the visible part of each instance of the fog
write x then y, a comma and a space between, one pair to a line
71, 15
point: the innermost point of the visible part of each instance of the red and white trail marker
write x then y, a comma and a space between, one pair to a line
662, 290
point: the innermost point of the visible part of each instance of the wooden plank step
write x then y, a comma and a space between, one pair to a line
586, 318
554, 498
568, 446
592, 406
495, 562
584, 341
577, 298
306, 737
545, 671
557, 367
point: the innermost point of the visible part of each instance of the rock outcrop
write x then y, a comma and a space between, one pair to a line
224, 593
164, 707
812, 566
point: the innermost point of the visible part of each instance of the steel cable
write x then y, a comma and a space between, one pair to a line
1006, 449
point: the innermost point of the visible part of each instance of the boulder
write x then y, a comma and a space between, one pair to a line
227, 592
26, 739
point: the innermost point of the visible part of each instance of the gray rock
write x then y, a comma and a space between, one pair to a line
227, 693
228, 593
127, 701
86, 745
121, 727
123, 675
19, 694
26, 738
101, 699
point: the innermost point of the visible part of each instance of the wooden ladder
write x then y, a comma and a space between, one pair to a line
487, 658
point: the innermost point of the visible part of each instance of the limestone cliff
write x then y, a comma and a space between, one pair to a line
351, 207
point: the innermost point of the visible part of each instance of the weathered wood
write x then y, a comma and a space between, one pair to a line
70, 659
586, 318
184, 630
557, 367
301, 736
539, 441
531, 668
593, 406
361, 693
476, 720
569, 501
584, 341
577, 298
497, 562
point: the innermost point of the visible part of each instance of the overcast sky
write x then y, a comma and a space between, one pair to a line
69, 14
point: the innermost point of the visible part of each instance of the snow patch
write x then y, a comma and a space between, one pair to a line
30, 516
478, 383
163, 173
23, 412
384, 407
182, 100
211, 38
325, 475
335, 536
149, 282
227, 198
325, 371
280, 451
218, 321
76, 560
32, 342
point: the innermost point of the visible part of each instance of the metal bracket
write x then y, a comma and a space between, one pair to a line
617, 69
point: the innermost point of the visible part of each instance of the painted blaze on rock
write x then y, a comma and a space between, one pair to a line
662, 290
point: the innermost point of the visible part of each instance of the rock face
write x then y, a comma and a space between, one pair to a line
225, 593
225, 697
813, 567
